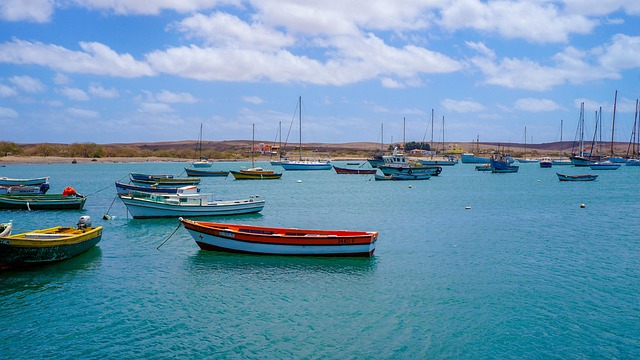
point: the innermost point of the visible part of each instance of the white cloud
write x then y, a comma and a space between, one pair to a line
155, 108
8, 113
28, 84
536, 21
171, 97
481, 48
83, 113
462, 106
74, 94
137, 7
621, 53
96, 58
61, 79
6, 91
601, 8
98, 91
225, 30
256, 100
38, 11
536, 105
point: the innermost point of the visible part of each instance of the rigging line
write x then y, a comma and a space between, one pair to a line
105, 188
106, 215
174, 231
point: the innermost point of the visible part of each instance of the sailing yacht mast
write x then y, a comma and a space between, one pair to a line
300, 118
613, 120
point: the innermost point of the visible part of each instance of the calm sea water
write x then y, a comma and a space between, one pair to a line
524, 273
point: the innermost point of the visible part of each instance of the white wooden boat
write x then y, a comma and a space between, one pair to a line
280, 241
5, 181
186, 202
5, 229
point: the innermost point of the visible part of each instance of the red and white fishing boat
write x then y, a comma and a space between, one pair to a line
280, 241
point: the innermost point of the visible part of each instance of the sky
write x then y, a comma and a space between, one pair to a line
123, 71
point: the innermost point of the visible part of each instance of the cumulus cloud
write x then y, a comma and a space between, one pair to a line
167, 96
137, 7
99, 91
225, 30
6, 91
38, 11
7, 113
28, 84
536, 105
83, 113
74, 94
538, 22
96, 58
155, 108
462, 106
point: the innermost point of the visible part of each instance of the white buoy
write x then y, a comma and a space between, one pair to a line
299, 181
538, 180
410, 186
467, 207
582, 206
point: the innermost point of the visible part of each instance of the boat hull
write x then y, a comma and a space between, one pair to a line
146, 208
305, 166
205, 173
581, 177
472, 159
341, 170
244, 175
428, 170
581, 161
175, 182
122, 188
438, 162
45, 246
4, 181
261, 240
42, 202
609, 166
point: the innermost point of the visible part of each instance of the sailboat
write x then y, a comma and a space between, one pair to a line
560, 160
376, 158
203, 161
634, 143
612, 157
526, 159
473, 158
445, 161
255, 173
580, 157
301, 164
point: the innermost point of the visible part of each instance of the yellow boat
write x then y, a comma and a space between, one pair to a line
48, 245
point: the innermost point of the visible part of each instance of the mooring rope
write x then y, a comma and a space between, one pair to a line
174, 231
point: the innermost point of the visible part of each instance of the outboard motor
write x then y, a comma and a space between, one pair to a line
84, 222
44, 187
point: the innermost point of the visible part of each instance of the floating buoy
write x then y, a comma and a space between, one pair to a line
106, 217
299, 181
467, 207
582, 206
410, 186
538, 180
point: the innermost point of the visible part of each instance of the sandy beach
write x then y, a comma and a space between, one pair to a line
11, 160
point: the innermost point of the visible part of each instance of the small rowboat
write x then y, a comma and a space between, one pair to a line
341, 170
122, 188
255, 173
280, 241
580, 177
168, 182
205, 173
68, 200
5, 181
186, 202
140, 176
48, 245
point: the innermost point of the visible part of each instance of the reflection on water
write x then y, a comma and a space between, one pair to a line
213, 261
40, 277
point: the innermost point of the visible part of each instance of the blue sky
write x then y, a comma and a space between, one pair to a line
120, 71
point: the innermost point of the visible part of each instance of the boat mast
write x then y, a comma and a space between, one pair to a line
525, 142
300, 117
431, 145
613, 120
443, 150
253, 139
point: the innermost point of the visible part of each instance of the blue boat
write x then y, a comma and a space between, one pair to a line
140, 176
500, 164
205, 173
122, 188
579, 177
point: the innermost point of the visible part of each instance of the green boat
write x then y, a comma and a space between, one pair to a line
42, 201
48, 245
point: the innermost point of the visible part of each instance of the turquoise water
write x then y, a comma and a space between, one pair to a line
524, 273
